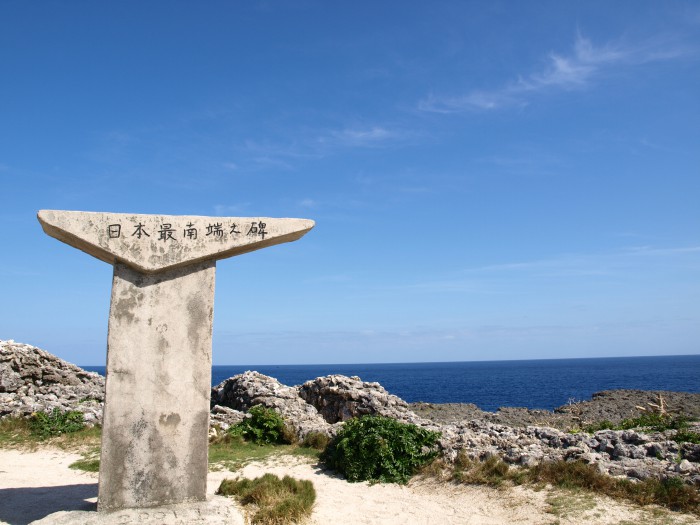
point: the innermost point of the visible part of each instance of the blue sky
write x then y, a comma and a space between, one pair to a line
490, 180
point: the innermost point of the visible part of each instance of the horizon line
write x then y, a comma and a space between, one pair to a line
448, 362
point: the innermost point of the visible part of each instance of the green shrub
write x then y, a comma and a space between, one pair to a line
264, 427
234, 434
278, 501
55, 423
658, 422
376, 448
687, 436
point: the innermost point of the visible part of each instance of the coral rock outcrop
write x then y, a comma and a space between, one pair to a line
243, 391
32, 379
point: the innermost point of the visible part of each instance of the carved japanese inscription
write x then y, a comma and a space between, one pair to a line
152, 243
156, 414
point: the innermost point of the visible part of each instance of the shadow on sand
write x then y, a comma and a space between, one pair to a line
24, 505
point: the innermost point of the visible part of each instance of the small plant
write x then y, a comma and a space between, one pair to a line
88, 399
235, 453
87, 465
14, 431
571, 475
380, 449
55, 423
316, 440
492, 471
90, 462
26, 433
289, 435
658, 422
605, 424
660, 408
278, 501
687, 436
575, 408
264, 427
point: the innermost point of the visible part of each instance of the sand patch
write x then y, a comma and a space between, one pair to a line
35, 484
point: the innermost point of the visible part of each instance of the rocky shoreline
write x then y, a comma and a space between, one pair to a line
610, 405
32, 380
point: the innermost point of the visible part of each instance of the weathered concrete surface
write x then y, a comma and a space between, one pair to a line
152, 243
156, 413
156, 418
217, 511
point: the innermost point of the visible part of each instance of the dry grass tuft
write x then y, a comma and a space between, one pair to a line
275, 501
671, 493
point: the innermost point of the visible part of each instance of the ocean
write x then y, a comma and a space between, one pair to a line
542, 383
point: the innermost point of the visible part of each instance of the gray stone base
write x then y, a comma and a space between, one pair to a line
217, 511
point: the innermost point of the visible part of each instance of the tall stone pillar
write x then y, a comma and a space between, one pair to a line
156, 414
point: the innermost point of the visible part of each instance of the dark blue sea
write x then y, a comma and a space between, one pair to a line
545, 383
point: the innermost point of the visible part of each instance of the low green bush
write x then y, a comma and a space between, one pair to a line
380, 449
658, 422
55, 423
264, 427
687, 436
277, 501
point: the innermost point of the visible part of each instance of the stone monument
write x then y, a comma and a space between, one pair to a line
158, 381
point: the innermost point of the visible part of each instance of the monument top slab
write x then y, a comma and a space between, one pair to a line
153, 243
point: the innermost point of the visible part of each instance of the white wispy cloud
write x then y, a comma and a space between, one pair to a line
591, 263
322, 143
562, 72
374, 136
625, 264
307, 203
650, 250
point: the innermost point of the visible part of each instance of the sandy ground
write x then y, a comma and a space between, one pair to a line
34, 485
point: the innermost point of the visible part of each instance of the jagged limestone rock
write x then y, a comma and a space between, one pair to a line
33, 380
339, 398
46, 381
243, 391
